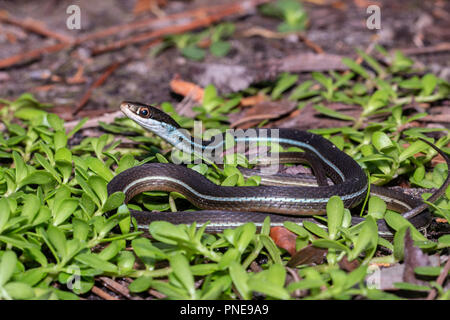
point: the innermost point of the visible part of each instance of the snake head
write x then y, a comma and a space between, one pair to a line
139, 109
145, 114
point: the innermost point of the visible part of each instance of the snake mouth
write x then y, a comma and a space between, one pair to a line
127, 107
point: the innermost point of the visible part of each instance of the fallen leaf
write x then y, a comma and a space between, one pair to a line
413, 257
186, 88
250, 101
226, 78
307, 255
232, 78
142, 6
349, 266
284, 238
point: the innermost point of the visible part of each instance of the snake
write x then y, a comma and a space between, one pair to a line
282, 197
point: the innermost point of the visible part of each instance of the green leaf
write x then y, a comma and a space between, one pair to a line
415, 147
271, 247
210, 100
147, 252
29, 113
372, 62
77, 127
297, 229
381, 141
314, 228
4, 213
58, 240
59, 140
305, 284
332, 113
37, 255
444, 241
429, 271
396, 222
99, 168
19, 290
193, 52
114, 201
377, 207
80, 286
43, 216
246, 236
231, 255
94, 261
161, 158
367, 238
31, 276
215, 289
355, 67
108, 225
63, 154
419, 173
166, 232
327, 82
15, 241
80, 229
302, 92
64, 210
412, 83
429, 82
111, 250
330, 244
335, 214
141, 284
285, 82
401, 62
99, 186
7, 266
55, 122
411, 287
399, 243
269, 289
180, 267
356, 276
240, 279
204, 269
378, 100
88, 192
230, 181
220, 48
169, 290
31, 206
126, 162
21, 167
37, 177
125, 261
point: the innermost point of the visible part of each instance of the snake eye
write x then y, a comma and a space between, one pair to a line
144, 112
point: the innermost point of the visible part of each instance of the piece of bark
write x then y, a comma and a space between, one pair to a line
309, 118
251, 116
232, 78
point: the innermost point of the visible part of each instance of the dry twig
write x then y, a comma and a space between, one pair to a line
96, 84
34, 26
